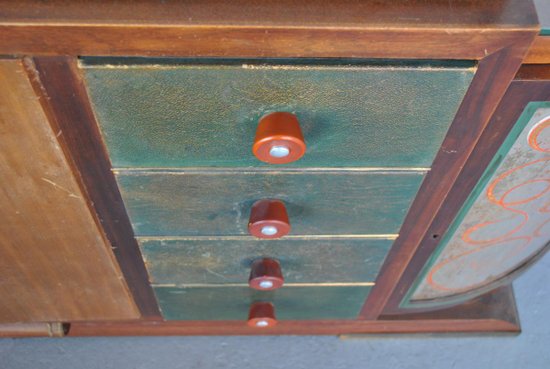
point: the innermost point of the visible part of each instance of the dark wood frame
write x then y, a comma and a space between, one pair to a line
531, 84
495, 312
51, 38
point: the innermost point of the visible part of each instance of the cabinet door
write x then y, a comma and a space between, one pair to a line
55, 264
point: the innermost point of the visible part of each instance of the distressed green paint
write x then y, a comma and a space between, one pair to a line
184, 262
233, 303
514, 152
205, 115
218, 203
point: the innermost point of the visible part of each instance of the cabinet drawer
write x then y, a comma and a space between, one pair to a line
190, 113
233, 303
197, 262
218, 203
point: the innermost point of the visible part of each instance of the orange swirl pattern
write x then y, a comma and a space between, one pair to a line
514, 232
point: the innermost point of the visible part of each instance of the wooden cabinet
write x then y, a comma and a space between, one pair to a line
151, 112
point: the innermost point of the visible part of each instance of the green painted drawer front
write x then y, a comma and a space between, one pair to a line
232, 303
194, 262
205, 115
218, 204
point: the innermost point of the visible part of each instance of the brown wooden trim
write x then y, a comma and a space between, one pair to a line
302, 327
498, 302
64, 97
519, 94
495, 312
438, 29
328, 13
416, 238
534, 72
252, 42
539, 52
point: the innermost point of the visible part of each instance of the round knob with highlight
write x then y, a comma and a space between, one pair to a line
262, 315
268, 219
279, 139
266, 275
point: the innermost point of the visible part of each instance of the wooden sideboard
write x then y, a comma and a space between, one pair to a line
131, 186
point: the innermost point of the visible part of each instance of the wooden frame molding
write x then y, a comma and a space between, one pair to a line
246, 28
64, 97
445, 187
525, 88
495, 312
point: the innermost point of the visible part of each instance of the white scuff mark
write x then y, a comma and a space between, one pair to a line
216, 274
71, 194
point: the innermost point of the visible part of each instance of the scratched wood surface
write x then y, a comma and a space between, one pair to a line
54, 262
232, 303
217, 203
227, 261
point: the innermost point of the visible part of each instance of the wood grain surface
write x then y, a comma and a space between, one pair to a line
63, 95
55, 264
539, 53
348, 13
439, 29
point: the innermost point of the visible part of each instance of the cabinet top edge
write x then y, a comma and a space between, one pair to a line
339, 14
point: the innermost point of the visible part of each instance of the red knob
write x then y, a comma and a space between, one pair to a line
261, 315
268, 219
279, 139
266, 275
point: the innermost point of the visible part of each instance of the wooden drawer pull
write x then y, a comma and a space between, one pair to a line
266, 275
262, 315
279, 139
268, 219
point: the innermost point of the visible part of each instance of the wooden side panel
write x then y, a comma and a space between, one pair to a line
505, 221
519, 94
54, 262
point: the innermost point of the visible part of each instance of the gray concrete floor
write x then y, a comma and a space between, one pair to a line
529, 350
